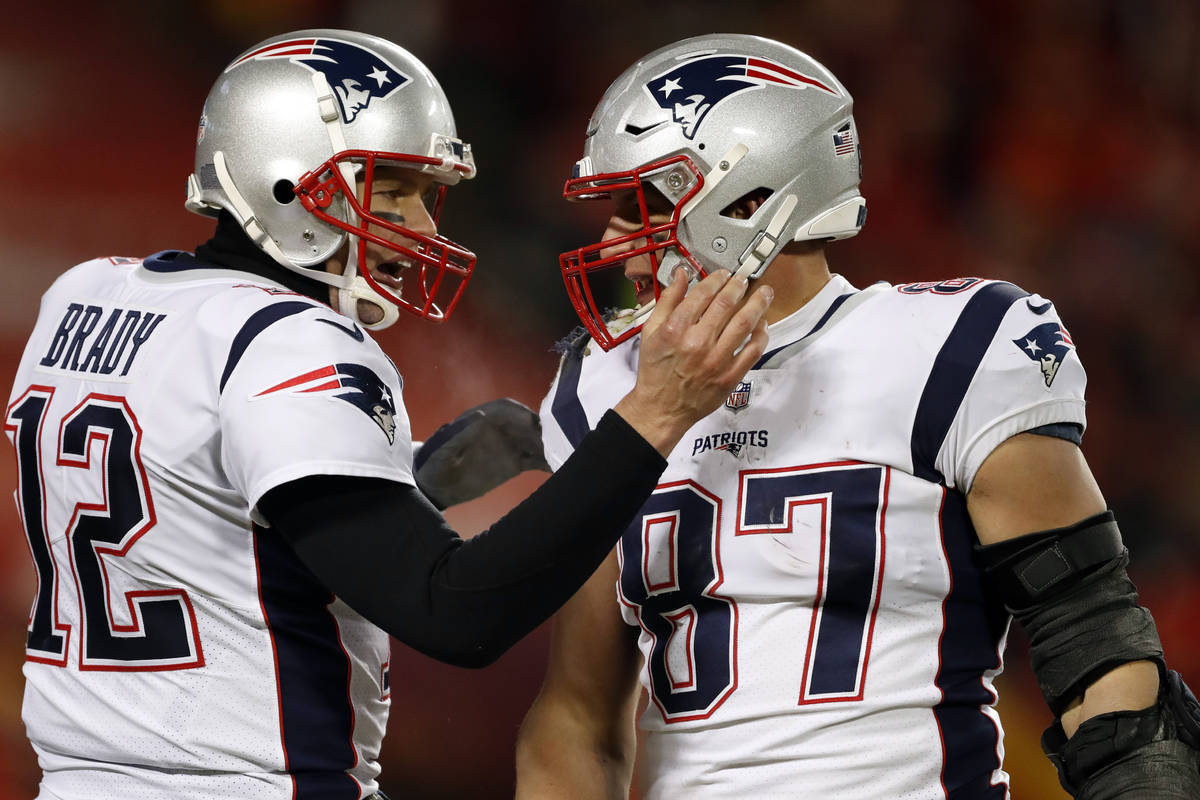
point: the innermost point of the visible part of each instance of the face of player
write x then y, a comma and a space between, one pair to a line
627, 219
402, 197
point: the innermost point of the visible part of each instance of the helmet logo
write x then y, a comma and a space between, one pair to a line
691, 90
356, 74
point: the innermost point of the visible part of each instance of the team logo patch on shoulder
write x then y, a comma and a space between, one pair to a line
350, 383
1048, 344
356, 75
689, 91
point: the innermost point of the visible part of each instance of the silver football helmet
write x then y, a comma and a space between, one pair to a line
708, 122
292, 125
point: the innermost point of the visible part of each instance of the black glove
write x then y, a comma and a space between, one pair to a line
1130, 755
478, 451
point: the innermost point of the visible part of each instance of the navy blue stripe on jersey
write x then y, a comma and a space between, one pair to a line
312, 672
1071, 431
972, 626
833, 307
953, 370
566, 407
259, 321
173, 261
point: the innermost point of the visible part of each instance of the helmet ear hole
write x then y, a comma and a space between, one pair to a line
745, 206
283, 191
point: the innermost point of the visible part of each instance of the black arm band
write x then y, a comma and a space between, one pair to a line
388, 553
1026, 569
1069, 590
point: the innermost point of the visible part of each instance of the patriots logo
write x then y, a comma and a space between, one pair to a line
351, 383
691, 90
356, 74
1049, 344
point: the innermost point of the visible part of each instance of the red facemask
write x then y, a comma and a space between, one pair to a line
438, 268
578, 266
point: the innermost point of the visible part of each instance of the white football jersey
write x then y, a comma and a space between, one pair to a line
811, 623
176, 649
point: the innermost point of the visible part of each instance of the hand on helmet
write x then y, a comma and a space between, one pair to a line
694, 350
481, 449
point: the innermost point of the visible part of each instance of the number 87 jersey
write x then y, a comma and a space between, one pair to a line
810, 620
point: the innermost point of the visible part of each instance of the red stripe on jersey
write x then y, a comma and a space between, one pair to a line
323, 372
334, 384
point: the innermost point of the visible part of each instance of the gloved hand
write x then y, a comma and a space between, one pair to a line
478, 451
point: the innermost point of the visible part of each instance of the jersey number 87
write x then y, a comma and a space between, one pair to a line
693, 661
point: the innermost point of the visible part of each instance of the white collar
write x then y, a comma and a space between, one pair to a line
801, 321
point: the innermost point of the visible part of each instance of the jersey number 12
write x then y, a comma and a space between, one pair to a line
101, 432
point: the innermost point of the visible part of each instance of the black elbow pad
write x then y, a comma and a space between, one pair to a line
1069, 590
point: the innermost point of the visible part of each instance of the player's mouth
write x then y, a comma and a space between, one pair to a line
643, 287
391, 273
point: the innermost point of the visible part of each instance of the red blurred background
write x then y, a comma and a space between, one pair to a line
1052, 143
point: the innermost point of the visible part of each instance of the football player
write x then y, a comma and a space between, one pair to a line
816, 596
215, 463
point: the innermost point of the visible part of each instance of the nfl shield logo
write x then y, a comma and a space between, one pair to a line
739, 398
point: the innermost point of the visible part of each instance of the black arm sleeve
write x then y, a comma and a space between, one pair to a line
386, 551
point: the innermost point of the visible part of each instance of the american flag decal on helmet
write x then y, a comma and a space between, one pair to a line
691, 90
843, 141
356, 75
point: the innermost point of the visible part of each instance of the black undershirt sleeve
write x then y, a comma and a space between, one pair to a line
389, 554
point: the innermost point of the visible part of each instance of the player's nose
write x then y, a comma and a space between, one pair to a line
421, 220
617, 230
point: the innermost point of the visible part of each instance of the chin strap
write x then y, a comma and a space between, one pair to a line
245, 215
358, 290
328, 108
353, 287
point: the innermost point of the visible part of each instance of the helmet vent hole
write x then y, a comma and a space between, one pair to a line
283, 191
749, 203
638, 130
